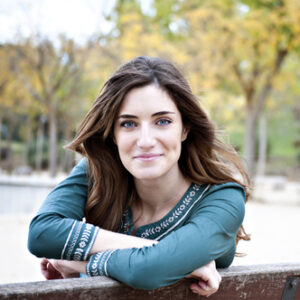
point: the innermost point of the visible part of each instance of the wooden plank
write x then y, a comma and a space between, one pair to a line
255, 282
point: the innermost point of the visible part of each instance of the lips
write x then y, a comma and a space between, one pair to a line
147, 156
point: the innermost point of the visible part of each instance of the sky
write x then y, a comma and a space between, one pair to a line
78, 19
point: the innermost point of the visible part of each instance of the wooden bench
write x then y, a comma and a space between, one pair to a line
265, 282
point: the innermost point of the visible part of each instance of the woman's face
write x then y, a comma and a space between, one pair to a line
148, 132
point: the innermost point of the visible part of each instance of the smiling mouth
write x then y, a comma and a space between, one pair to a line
147, 157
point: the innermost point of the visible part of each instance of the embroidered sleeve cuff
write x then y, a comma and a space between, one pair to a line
97, 265
80, 241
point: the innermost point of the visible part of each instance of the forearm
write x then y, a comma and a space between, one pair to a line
105, 240
57, 231
163, 264
66, 268
108, 240
76, 266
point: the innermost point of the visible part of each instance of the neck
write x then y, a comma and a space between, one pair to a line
160, 195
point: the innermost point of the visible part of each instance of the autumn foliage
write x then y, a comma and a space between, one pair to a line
240, 58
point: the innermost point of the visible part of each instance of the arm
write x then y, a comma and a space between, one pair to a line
57, 231
208, 235
208, 277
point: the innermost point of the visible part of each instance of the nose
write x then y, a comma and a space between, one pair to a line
146, 137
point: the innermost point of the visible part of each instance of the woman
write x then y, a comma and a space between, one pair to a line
157, 188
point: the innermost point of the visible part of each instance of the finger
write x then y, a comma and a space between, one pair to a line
44, 268
44, 263
48, 270
203, 285
199, 290
212, 285
55, 274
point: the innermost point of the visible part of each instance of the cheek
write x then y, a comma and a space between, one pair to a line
172, 143
123, 143
174, 138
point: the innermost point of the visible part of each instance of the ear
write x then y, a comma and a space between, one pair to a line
185, 132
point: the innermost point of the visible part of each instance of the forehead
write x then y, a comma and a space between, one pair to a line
147, 99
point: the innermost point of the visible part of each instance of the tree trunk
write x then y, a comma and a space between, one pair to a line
9, 160
0, 140
68, 155
39, 143
28, 142
262, 151
250, 141
52, 141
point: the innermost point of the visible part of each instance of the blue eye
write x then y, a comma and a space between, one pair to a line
163, 122
128, 124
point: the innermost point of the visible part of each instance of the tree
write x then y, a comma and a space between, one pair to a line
13, 105
50, 76
137, 33
241, 46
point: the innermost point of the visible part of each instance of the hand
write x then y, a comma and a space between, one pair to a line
49, 271
209, 282
59, 269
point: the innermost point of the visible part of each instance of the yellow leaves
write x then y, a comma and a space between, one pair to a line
216, 36
224, 108
127, 19
12, 94
137, 39
271, 104
202, 17
218, 41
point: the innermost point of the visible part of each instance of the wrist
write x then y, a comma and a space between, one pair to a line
69, 268
97, 264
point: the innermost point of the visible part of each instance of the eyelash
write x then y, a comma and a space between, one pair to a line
164, 120
125, 123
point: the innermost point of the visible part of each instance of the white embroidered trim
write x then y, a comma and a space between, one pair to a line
92, 265
80, 241
97, 265
67, 241
176, 214
74, 240
171, 228
91, 243
105, 264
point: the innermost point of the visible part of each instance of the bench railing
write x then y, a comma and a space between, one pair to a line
265, 282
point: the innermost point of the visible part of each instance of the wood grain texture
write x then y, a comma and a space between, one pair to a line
255, 282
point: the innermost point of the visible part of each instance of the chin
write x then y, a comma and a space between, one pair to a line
147, 175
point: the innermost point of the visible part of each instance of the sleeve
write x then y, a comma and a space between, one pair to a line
57, 231
208, 235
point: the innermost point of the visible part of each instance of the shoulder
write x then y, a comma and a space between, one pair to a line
229, 190
80, 171
82, 165
228, 195
223, 204
75, 182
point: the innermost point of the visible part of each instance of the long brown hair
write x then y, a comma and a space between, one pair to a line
204, 157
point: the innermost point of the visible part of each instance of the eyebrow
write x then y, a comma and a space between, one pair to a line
159, 113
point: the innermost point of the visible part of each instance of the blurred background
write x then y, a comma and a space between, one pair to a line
240, 57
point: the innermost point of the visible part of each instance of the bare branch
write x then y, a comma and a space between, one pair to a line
262, 96
247, 86
15, 68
